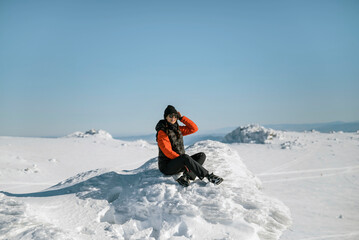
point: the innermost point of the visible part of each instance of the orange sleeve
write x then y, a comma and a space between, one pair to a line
190, 127
164, 144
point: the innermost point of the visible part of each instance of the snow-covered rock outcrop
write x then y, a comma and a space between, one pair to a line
145, 204
101, 134
250, 134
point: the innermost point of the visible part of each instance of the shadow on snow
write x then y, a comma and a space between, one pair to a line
106, 186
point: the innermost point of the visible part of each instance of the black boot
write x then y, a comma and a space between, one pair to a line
214, 179
183, 180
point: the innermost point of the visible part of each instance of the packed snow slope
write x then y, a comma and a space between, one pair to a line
141, 203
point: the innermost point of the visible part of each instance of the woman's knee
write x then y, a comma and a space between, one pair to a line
200, 157
203, 155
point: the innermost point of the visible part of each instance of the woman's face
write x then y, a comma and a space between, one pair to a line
171, 118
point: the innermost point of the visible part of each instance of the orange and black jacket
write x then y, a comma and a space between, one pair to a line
170, 137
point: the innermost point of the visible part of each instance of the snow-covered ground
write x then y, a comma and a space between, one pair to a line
316, 175
90, 186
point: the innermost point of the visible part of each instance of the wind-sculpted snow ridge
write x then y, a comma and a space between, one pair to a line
250, 134
145, 204
91, 133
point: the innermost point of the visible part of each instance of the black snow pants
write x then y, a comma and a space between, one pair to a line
192, 165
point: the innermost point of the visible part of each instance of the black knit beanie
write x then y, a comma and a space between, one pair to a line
170, 109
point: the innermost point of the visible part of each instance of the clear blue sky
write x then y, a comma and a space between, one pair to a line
115, 65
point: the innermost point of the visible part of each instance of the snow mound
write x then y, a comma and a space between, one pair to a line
251, 134
145, 204
91, 133
153, 205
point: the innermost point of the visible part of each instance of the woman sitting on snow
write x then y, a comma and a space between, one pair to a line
172, 158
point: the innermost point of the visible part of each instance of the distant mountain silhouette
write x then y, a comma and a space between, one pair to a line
320, 127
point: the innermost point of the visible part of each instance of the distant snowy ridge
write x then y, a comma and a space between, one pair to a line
320, 127
91, 133
251, 134
145, 204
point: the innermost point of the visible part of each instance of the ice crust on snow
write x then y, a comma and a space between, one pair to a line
251, 134
91, 133
145, 204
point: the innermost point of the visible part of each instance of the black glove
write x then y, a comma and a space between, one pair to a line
179, 116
